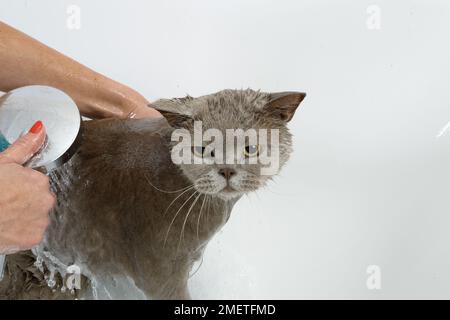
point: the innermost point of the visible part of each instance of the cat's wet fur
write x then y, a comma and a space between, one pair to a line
122, 205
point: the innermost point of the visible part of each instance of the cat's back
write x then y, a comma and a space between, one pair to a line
131, 144
112, 151
111, 188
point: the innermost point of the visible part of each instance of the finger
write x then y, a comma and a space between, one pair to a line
26, 146
145, 112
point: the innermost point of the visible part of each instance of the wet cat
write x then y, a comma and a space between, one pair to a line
133, 222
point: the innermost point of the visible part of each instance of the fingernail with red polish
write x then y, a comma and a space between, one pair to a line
36, 128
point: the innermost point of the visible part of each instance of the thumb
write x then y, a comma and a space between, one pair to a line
26, 146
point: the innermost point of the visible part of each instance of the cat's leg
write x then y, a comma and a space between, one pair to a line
163, 286
23, 279
176, 292
179, 292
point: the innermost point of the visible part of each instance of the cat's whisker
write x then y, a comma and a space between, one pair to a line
198, 268
207, 211
257, 195
166, 191
266, 187
186, 218
176, 214
200, 215
173, 201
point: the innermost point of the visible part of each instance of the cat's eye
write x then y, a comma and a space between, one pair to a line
251, 151
198, 151
201, 151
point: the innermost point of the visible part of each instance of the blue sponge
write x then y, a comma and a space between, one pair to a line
3, 143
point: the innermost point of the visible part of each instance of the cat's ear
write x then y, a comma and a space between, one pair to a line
177, 114
283, 105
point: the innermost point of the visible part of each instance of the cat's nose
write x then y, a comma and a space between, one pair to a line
227, 173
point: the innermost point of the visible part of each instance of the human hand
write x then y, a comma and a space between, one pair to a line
134, 105
106, 98
25, 61
25, 197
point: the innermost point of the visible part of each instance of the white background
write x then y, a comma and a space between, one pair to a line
369, 181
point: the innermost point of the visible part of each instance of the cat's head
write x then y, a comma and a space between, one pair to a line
231, 142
